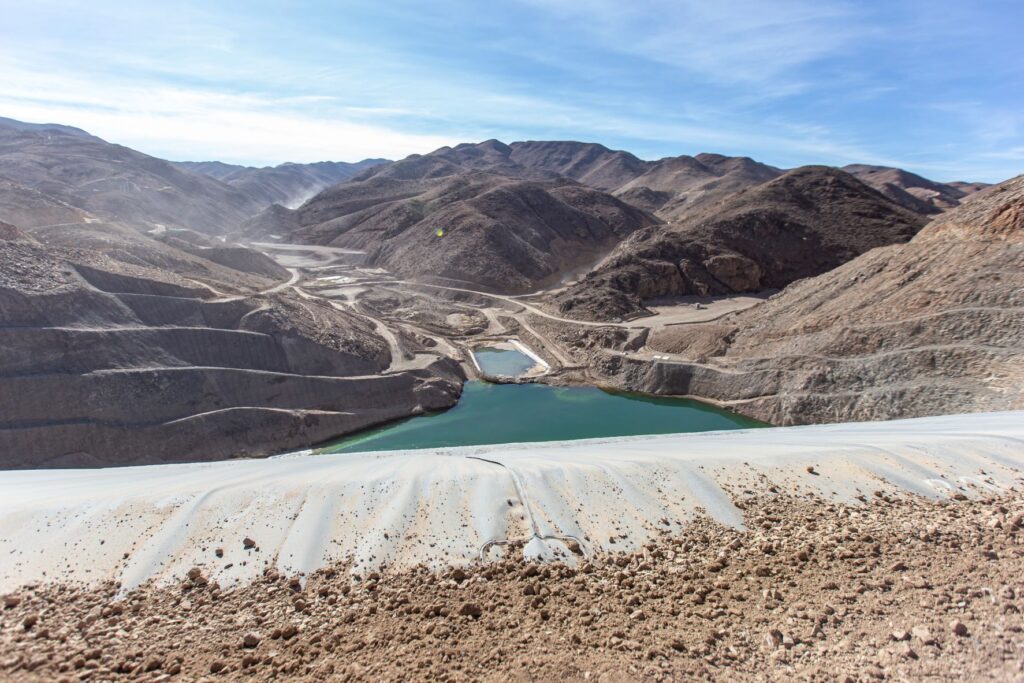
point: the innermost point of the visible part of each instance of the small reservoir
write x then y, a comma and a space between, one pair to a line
497, 361
512, 413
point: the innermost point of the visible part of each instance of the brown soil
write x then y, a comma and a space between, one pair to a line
901, 589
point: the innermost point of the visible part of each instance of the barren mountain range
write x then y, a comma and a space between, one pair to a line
803, 223
144, 315
286, 184
479, 228
935, 325
911, 191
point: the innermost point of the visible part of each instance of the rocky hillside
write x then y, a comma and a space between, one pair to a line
471, 228
928, 327
670, 187
676, 187
801, 224
287, 184
95, 180
116, 348
911, 191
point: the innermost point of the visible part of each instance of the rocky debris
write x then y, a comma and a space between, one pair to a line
248, 543
829, 607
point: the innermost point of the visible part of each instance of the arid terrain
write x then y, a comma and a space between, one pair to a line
200, 316
387, 279
893, 589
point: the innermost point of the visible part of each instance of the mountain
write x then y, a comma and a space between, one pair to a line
502, 233
678, 186
286, 184
95, 180
798, 225
670, 187
118, 348
591, 164
911, 191
933, 326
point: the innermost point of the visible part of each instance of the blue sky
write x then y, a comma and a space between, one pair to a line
936, 87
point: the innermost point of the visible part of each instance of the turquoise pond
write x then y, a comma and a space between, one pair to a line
508, 362
510, 413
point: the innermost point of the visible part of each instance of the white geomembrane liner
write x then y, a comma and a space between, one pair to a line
452, 506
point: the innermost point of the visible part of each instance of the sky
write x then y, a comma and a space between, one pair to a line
936, 87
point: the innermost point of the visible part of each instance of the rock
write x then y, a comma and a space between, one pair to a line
29, 621
154, 663
195, 573
217, 666
638, 615
11, 601
289, 631
774, 637
810, 470
251, 640
923, 634
458, 575
219, 552
470, 609
899, 635
248, 543
958, 627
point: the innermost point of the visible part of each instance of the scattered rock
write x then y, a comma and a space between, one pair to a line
470, 609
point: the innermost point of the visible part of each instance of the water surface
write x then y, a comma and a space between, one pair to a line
511, 413
508, 362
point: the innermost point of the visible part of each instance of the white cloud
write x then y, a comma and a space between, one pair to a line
174, 122
728, 41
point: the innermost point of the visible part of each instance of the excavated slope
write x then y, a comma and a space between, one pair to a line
934, 326
117, 349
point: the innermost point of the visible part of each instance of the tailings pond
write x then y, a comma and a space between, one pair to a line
511, 413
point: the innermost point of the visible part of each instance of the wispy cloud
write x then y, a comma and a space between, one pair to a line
788, 82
